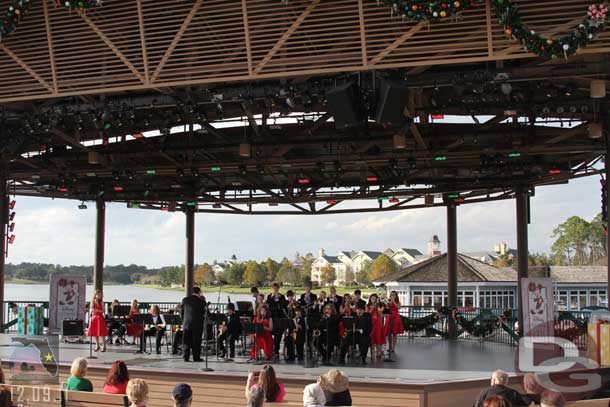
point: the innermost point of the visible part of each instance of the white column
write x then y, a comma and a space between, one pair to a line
477, 294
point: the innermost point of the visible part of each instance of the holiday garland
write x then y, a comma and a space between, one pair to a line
546, 47
428, 10
479, 327
420, 324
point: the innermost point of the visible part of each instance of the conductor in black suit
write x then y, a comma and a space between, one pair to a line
192, 312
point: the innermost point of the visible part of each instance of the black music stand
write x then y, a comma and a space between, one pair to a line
142, 320
216, 319
256, 329
388, 314
121, 312
172, 320
313, 323
205, 338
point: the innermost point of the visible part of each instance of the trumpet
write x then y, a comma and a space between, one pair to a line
321, 301
316, 333
380, 306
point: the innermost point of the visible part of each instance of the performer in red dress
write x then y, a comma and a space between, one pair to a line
265, 340
393, 322
97, 323
134, 330
377, 334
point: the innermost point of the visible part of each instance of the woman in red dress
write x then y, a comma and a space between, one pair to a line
393, 322
263, 341
134, 330
97, 323
377, 334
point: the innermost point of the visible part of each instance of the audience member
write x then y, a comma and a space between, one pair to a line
313, 395
499, 382
77, 381
5, 392
532, 388
274, 391
182, 395
336, 391
137, 392
497, 401
117, 378
550, 398
256, 397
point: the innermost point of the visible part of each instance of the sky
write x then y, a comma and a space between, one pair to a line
56, 231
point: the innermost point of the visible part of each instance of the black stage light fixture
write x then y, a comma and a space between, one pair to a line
345, 104
82, 205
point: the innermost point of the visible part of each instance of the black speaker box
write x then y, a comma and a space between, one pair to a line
391, 103
345, 105
73, 328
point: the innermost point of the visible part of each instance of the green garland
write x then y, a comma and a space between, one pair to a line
420, 324
546, 47
428, 10
481, 328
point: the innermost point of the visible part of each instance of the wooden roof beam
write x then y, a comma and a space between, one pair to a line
399, 41
26, 68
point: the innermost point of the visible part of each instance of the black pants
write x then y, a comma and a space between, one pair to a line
157, 333
177, 341
291, 344
363, 342
277, 336
326, 345
191, 341
225, 336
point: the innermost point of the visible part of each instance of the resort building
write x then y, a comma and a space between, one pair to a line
500, 249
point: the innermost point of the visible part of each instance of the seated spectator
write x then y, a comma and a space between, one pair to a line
335, 385
77, 381
137, 392
313, 395
532, 388
497, 401
256, 397
499, 382
274, 391
182, 395
5, 392
550, 398
117, 378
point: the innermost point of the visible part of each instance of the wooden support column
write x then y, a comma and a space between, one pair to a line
606, 203
189, 268
452, 280
3, 222
522, 203
100, 235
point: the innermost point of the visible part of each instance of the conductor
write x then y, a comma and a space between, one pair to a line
192, 312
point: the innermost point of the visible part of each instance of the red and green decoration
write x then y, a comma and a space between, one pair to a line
428, 10
547, 47
79, 4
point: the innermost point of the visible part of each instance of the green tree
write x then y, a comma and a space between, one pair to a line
254, 273
271, 268
234, 274
204, 274
328, 274
503, 261
363, 276
382, 266
349, 277
578, 242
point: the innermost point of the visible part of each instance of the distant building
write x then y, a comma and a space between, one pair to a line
406, 257
500, 249
485, 286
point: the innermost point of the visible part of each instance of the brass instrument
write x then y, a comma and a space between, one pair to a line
222, 327
380, 306
316, 333
321, 301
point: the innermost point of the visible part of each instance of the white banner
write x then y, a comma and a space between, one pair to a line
537, 300
66, 300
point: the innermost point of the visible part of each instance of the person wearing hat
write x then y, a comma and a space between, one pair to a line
335, 385
182, 395
229, 332
313, 395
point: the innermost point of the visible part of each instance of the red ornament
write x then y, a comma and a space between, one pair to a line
443, 5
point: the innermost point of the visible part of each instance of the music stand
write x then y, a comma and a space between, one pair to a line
216, 319
142, 320
257, 329
349, 324
312, 322
121, 312
388, 314
172, 320
205, 338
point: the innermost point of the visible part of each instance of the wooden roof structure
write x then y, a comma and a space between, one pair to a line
222, 105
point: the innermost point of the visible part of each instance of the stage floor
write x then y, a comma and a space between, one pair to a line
418, 360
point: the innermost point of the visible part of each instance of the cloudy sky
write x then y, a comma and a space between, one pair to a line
56, 231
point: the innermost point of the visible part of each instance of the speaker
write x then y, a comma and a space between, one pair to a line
391, 103
72, 327
345, 105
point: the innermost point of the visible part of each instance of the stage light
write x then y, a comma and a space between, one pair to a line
215, 169
191, 203
115, 175
440, 158
383, 198
118, 188
133, 204
180, 172
554, 171
101, 193
63, 189
217, 206
107, 126
598, 89
394, 200
453, 196
260, 169
245, 150
164, 208
338, 166
437, 116
331, 202
138, 135
595, 130
459, 200
194, 172
514, 155
400, 141
12, 205
371, 179
304, 181
11, 228
11, 239
151, 172
146, 193
93, 157
82, 205
129, 174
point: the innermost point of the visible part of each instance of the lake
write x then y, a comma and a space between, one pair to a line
123, 293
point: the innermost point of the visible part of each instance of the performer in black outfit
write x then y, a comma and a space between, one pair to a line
307, 301
329, 328
363, 327
157, 329
357, 300
277, 307
231, 332
296, 338
334, 299
192, 311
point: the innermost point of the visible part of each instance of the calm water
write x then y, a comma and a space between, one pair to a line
40, 292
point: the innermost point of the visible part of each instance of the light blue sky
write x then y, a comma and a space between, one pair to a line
56, 231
